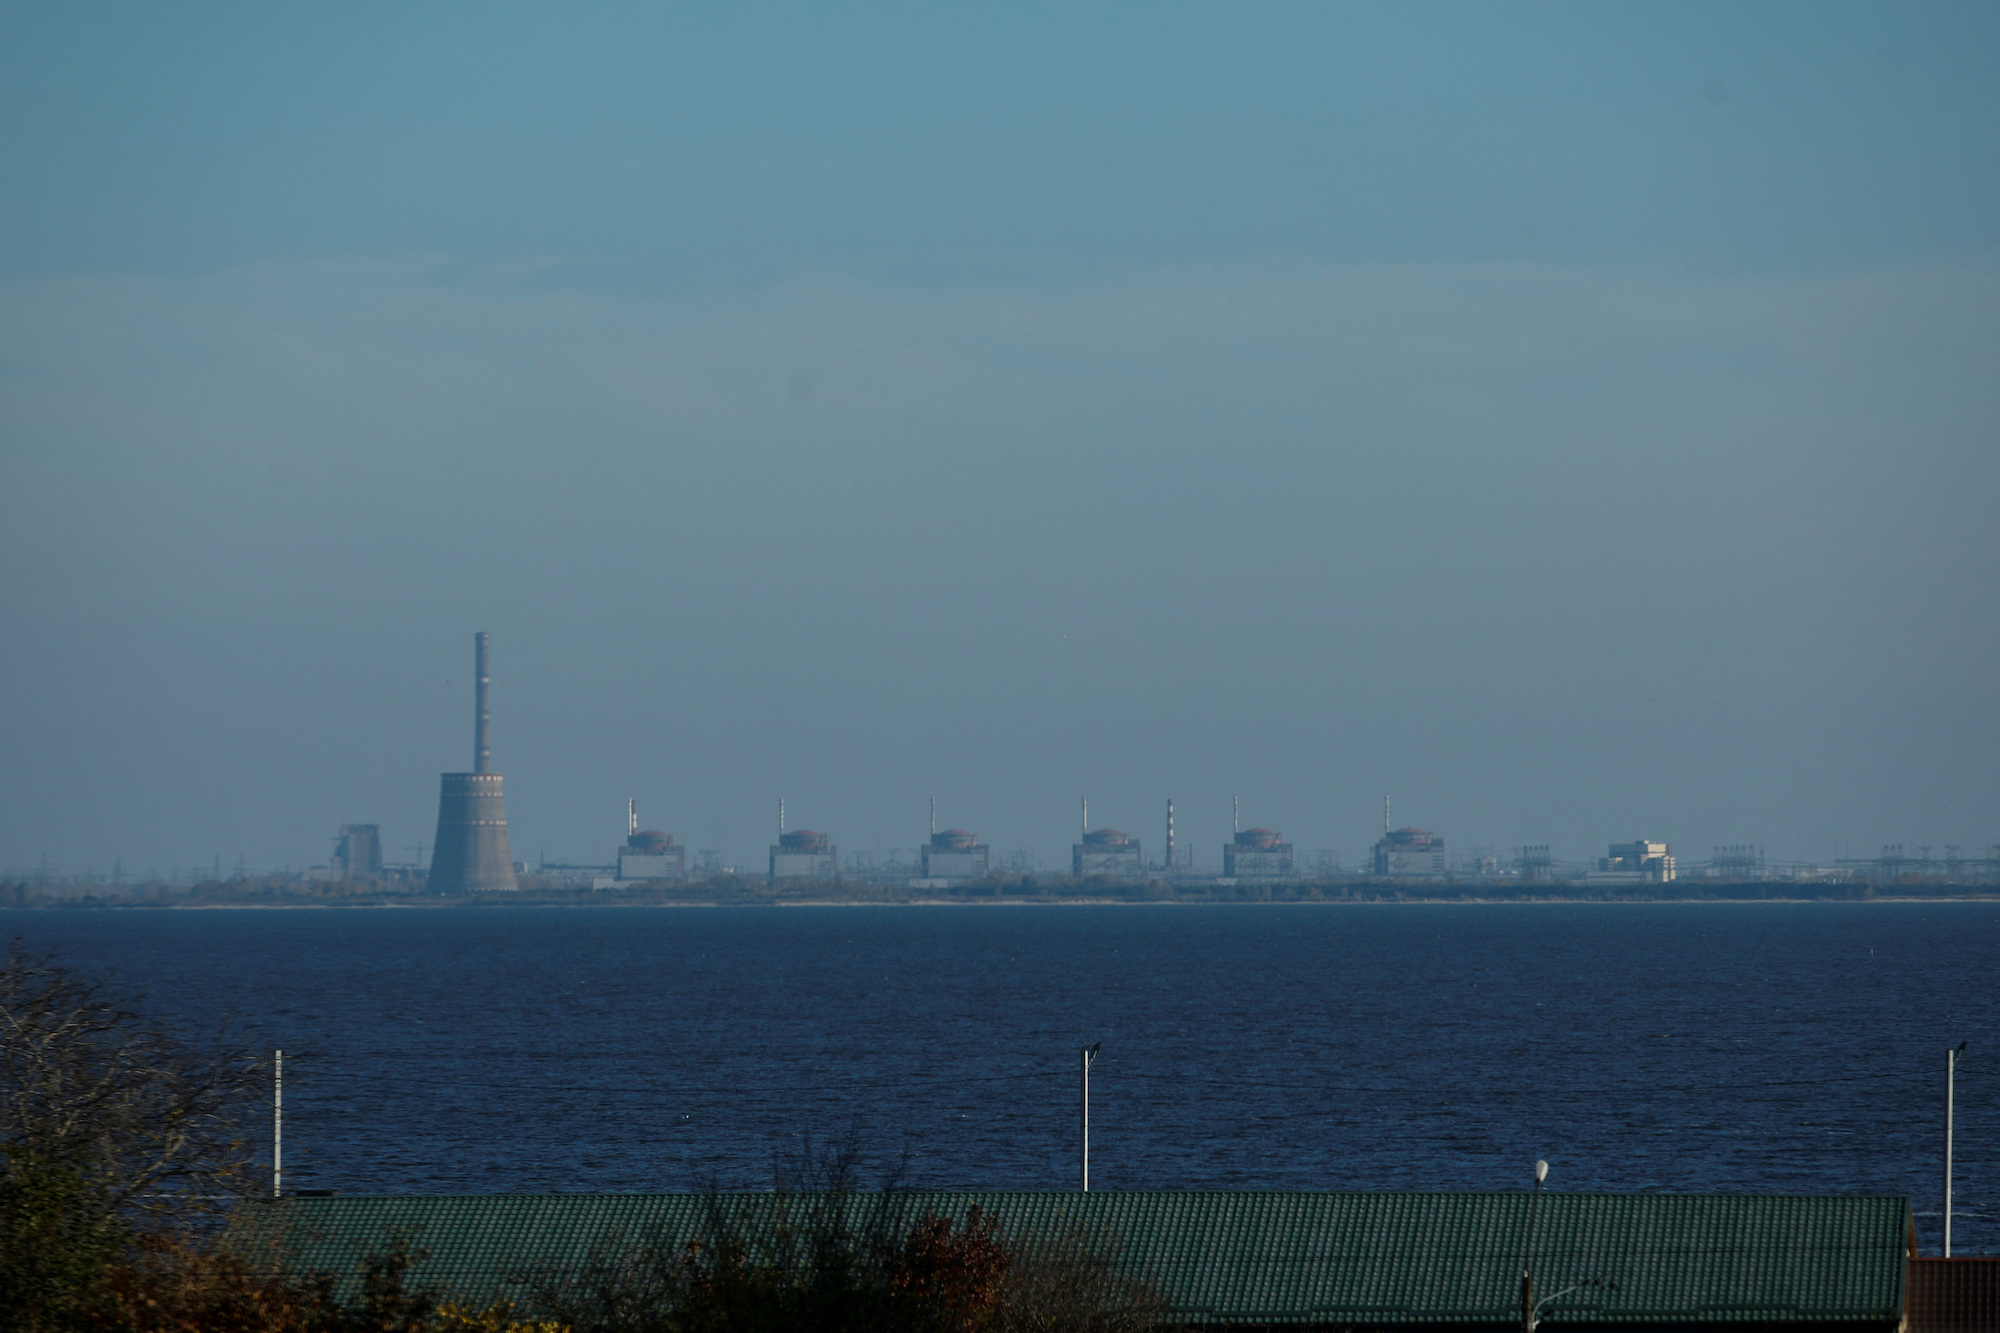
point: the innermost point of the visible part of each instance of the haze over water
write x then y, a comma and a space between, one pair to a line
1574, 420
1784, 1047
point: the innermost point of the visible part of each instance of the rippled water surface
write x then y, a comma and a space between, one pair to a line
1773, 1047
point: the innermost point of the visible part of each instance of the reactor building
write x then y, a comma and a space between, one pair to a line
803, 854
955, 854
1411, 853
1106, 851
1257, 853
470, 852
650, 854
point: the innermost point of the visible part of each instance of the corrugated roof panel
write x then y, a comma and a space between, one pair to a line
1363, 1259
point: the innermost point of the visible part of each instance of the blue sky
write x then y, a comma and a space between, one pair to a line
1577, 421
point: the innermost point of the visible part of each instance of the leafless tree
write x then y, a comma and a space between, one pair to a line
91, 1083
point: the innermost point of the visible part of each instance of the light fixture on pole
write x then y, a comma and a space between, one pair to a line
1950, 1077
1083, 1124
1531, 1308
1528, 1253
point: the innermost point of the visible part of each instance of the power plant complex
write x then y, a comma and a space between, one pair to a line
471, 853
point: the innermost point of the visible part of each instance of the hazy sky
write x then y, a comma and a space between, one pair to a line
1576, 421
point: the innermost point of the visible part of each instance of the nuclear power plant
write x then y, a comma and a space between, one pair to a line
470, 853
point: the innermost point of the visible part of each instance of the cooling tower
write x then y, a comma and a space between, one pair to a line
471, 853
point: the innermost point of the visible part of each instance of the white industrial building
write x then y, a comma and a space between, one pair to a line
803, 854
652, 855
1106, 851
1411, 853
1641, 862
955, 854
646, 855
1256, 853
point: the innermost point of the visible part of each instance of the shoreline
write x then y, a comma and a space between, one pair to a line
715, 903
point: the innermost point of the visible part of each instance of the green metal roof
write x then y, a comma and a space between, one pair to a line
1251, 1257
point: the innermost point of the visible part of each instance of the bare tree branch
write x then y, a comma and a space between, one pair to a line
89, 1080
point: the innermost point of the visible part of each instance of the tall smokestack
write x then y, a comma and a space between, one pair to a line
1170, 833
482, 726
470, 854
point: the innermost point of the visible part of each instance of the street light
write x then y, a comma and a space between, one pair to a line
1083, 1111
1950, 1077
1528, 1253
1531, 1309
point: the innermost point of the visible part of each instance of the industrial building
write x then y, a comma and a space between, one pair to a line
358, 854
1256, 853
1106, 851
1641, 862
955, 854
470, 852
1536, 864
803, 854
1411, 853
650, 854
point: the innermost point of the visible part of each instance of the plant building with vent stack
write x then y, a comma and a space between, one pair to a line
1107, 852
1411, 853
647, 855
804, 854
1257, 853
955, 854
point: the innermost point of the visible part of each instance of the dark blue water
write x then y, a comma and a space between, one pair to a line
1767, 1047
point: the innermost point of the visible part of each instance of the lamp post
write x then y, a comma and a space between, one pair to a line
1950, 1077
277, 1124
1083, 1111
1531, 1309
1528, 1320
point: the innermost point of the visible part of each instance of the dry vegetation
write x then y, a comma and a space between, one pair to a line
122, 1153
